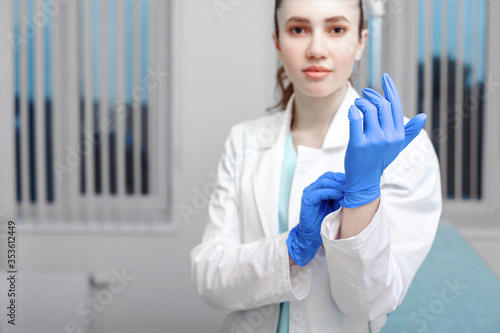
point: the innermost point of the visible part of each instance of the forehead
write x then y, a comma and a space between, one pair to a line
318, 10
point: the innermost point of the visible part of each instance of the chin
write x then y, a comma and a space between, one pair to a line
318, 91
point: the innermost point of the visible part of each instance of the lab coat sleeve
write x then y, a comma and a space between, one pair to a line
230, 275
371, 272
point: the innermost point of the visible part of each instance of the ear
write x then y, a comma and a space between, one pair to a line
277, 45
361, 45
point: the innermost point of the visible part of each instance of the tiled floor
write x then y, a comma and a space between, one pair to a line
489, 250
456, 289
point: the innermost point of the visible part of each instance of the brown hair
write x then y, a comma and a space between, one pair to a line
287, 91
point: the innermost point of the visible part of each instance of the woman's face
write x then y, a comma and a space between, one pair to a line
319, 33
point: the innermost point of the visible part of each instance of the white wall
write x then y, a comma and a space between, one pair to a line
222, 72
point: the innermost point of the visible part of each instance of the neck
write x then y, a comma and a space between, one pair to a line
316, 114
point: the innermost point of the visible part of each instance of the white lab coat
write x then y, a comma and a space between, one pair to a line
241, 266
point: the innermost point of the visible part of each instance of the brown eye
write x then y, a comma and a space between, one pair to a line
297, 30
338, 30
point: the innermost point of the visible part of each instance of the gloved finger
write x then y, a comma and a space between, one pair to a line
333, 176
355, 129
384, 110
371, 126
413, 128
315, 197
337, 176
327, 183
391, 94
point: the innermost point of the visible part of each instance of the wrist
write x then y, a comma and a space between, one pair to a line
354, 198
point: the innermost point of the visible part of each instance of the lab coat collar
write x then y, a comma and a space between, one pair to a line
338, 131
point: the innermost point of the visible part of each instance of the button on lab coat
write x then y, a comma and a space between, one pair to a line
241, 266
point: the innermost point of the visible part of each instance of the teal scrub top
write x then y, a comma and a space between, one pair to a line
287, 171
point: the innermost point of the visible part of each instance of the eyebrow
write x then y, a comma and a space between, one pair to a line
332, 19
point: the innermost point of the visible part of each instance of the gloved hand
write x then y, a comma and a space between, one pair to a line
372, 148
318, 200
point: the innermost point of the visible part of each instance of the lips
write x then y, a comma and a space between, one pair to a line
316, 72
316, 69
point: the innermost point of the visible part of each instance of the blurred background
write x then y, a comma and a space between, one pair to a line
113, 118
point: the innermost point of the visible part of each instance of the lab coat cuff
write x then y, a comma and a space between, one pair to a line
330, 230
296, 279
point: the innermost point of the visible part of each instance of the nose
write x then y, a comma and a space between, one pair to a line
317, 47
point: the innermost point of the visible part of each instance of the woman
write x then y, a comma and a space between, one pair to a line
362, 204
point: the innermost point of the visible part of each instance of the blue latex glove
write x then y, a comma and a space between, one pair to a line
374, 146
318, 200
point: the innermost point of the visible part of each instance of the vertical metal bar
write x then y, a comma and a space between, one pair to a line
62, 167
467, 84
164, 58
481, 85
95, 137
436, 71
112, 94
137, 93
87, 148
129, 85
421, 57
9, 67
451, 99
491, 97
81, 91
68, 108
24, 123
39, 112
472, 106
154, 95
102, 127
144, 145
48, 106
443, 107
428, 68
458, 115
31, 103
121, 106
411, 56
17, 92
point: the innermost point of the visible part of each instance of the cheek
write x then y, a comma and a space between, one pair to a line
291, 54
344, 51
